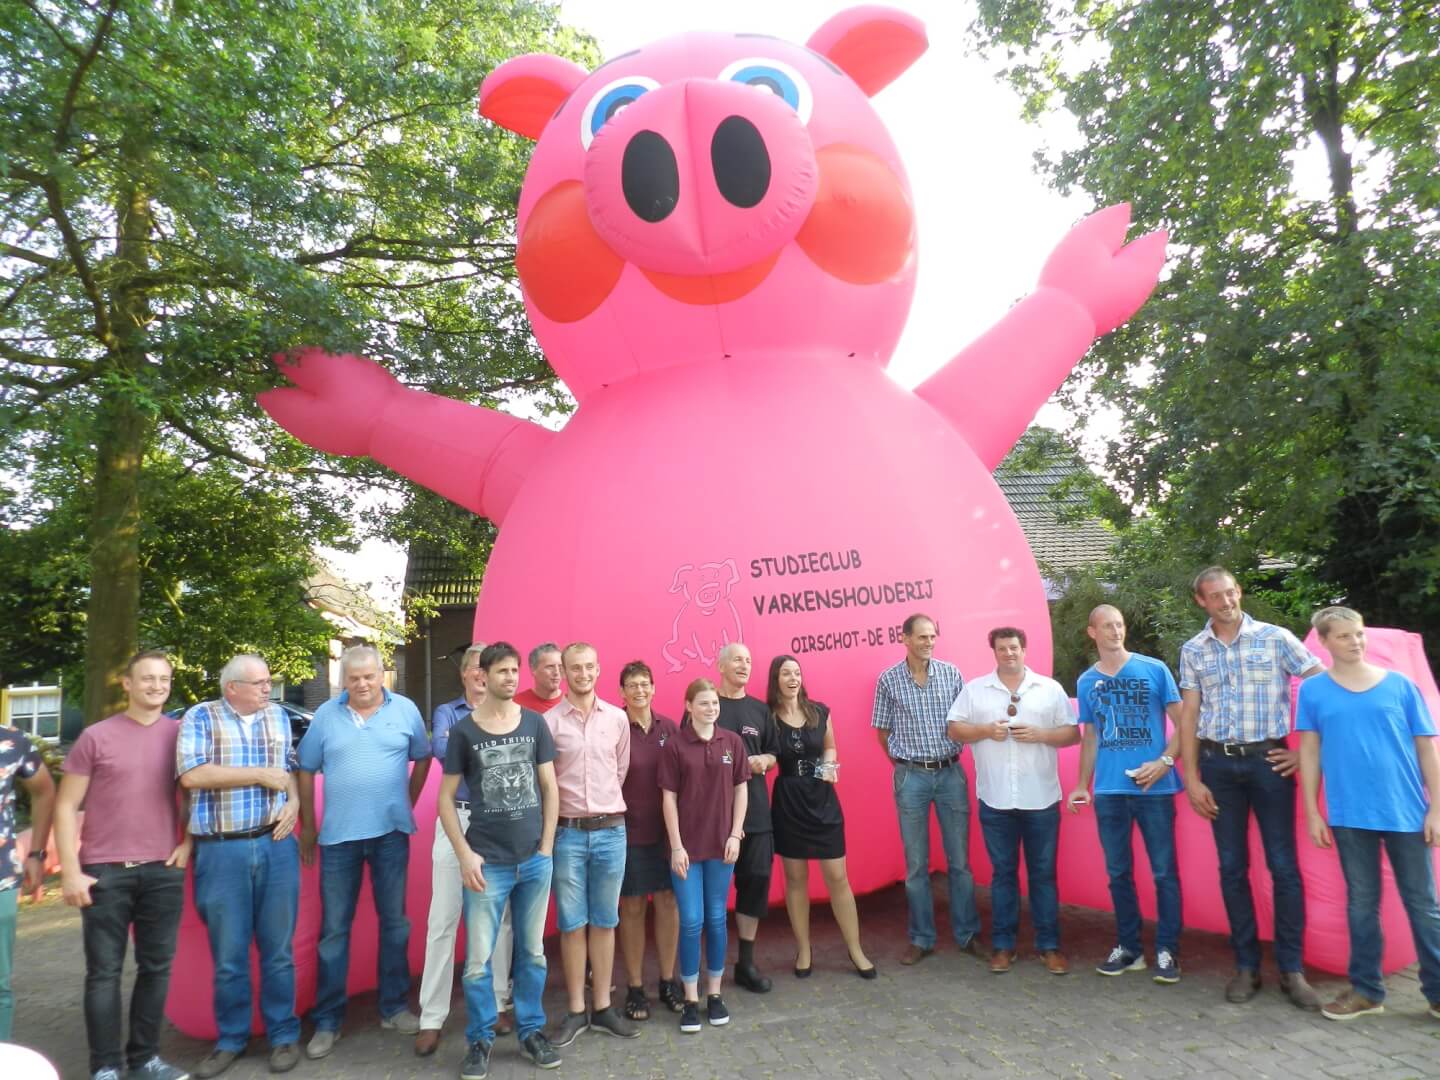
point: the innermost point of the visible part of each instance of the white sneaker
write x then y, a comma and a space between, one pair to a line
405, 1022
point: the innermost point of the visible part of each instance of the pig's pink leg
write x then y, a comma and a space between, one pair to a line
348, 405
993, 389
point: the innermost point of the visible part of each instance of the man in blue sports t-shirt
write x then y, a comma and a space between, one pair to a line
1367, 731
1124, 699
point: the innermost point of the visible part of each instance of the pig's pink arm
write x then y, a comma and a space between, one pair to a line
348, 405
1092, 282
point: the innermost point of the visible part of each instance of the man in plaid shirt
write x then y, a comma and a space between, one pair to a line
234, 758
1234, 718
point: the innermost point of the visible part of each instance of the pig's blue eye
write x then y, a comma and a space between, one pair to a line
609, 100
771, 75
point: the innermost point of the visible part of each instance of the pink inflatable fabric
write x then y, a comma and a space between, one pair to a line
716, 243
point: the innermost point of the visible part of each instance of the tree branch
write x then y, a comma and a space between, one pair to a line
67, 108
73, 247
29, 256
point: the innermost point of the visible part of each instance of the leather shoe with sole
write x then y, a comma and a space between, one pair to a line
321, 1043
1298, 989
284, 1057
913, 954
748, 976
1243, 986
218, 1061
1001, 960
972, 948
426, 1041
504, 1023
1055, 962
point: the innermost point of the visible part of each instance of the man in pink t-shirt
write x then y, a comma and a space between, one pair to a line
125, 867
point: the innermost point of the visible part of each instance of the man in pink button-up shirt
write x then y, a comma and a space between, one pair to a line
592, 756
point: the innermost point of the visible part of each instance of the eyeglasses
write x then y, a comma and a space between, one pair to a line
1011, 710
255, 682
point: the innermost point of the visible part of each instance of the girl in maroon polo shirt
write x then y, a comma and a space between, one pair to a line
704, 773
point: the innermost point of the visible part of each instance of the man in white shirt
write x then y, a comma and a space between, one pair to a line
1015, 720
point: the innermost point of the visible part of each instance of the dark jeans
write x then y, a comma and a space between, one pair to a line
341, 866
1116, 816
1415, 881
1005, 832
147, 897
1242, 785
249, 891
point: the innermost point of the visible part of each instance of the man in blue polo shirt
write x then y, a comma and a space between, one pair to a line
363, 741
912, 702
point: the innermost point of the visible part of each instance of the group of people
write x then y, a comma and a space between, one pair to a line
553, 790
1365, 731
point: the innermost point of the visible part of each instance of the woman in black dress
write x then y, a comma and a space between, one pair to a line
806, 814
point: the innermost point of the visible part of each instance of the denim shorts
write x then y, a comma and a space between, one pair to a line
589, 866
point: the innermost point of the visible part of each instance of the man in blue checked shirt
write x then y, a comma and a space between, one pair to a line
912, 702
234, 757
363, 741
1234, 718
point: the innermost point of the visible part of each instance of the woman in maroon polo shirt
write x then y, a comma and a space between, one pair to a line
808, 821
704, 773
647, 856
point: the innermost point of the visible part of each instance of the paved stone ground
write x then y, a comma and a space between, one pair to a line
946, 1017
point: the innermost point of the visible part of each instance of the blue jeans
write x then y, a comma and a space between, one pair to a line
589, 866
526, 886
9, 910
701, 897
1005, 832
1155, 815
915, 790
1241, 785
341, 867
249, 890
1414, 879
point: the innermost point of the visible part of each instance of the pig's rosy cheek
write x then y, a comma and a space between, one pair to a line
861, 228
566, 269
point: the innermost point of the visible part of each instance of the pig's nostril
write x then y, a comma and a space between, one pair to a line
740, 161
649, 176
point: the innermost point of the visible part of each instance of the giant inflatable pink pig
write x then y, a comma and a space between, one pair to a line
716, 243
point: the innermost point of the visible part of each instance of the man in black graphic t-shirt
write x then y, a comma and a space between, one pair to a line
750, 719
506, 755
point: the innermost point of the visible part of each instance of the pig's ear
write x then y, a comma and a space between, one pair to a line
523, 93
872, 44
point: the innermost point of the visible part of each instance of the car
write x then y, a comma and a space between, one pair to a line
298, 715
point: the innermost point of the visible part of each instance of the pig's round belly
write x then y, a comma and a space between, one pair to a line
792, 506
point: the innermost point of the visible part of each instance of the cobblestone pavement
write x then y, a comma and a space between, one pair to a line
945, 1017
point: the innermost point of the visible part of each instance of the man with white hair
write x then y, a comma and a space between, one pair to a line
363, 741
234, 757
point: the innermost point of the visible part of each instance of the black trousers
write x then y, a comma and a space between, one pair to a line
147, 897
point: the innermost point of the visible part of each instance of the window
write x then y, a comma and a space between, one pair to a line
35, 710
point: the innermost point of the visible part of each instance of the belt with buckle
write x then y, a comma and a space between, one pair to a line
461, 804
1242, 749
933, 764
800, 767
590, 824
246, 834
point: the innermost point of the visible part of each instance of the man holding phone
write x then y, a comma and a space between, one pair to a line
1124, 699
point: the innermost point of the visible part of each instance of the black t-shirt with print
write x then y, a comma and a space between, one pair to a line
501, 772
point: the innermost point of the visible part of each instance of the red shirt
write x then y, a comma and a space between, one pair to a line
644, 823
703, 776
530, 700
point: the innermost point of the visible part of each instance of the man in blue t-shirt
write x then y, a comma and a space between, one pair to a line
363, 741
1368, 732
1124, 699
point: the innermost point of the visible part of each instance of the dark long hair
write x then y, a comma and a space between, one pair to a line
772, 693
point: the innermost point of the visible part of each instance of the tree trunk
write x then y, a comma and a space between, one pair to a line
124, 430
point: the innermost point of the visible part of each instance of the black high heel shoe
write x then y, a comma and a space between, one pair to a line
865, 973
804, 973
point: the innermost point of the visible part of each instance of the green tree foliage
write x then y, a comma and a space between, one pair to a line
188, 187
1278, 392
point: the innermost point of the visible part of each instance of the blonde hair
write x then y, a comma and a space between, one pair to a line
1323, 619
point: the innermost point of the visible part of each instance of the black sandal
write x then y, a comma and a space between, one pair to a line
671, 995
637, 1005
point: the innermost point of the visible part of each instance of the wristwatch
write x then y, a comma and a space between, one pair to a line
1168, 761
38, 853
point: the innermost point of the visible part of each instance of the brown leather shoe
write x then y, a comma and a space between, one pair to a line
972, 948
426, 1040
1001, 959
1055, 962
913, 954
505, 1023
1298, 989
1243, 986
